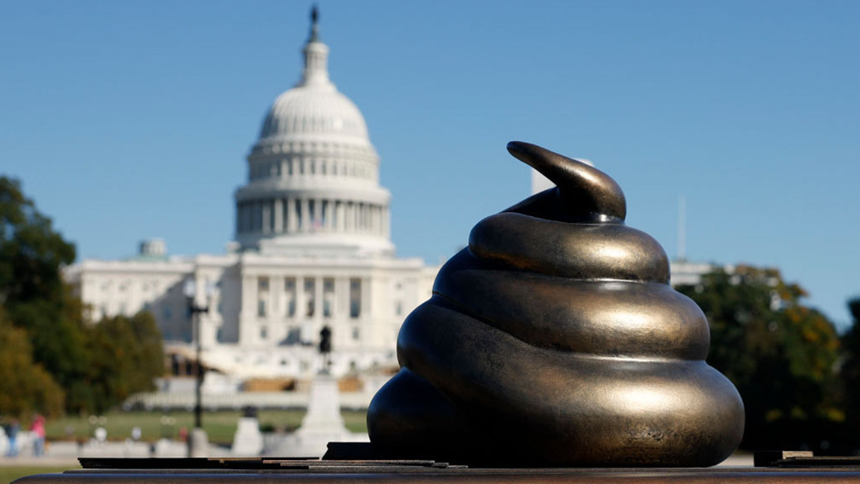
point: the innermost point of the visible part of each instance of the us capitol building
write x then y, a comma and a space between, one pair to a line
312, 249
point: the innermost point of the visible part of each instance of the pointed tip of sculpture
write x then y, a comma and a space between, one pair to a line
585, 188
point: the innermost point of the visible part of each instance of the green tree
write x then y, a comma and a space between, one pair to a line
32, 291
31, 252
25, 387
780, 354
97, 366
127, 356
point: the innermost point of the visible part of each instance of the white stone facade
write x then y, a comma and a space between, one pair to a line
312, 249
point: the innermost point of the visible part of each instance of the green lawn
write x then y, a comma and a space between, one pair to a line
10, 473
219, 425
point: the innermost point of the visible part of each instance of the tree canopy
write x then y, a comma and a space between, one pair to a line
25, 386
89, 367
781, 355
126, 354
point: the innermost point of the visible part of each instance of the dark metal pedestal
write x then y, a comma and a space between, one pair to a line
781, 469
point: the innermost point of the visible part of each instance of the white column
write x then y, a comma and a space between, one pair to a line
326, 215
341, 298
318, 298
276, 289
317, 213
329, 215
306, 215
365, 300
249, 308
291, 215
279, 215
379, 220
365, 215
267, 216
385, 222
356, 217
272, 306
247, 305
300, 298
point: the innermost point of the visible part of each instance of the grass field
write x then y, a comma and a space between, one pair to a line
221, 426
10, 473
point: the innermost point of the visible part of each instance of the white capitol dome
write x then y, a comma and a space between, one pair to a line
313, 175
314, 109
311, 111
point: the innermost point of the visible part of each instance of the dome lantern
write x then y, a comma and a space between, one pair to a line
315, 52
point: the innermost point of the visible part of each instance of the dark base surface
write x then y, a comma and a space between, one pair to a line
358, 463
367, 474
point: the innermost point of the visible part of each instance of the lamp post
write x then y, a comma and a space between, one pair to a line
195, 310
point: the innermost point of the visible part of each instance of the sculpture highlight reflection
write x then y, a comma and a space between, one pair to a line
554, 339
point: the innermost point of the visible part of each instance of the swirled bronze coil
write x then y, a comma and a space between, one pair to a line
554, 339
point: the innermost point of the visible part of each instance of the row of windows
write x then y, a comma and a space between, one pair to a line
301, 167
309, 293
264, 333
308, 215
127, 284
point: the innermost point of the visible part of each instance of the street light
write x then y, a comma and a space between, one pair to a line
194, 310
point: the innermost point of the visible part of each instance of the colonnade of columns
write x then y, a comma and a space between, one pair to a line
311, 167
279, 302
297, 215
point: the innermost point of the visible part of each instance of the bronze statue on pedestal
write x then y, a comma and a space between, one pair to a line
555, 339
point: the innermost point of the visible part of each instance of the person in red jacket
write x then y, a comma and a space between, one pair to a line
38, 429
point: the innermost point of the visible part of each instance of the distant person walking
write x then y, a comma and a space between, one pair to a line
38, 429
12, 428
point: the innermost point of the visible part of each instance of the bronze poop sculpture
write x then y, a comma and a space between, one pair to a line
554, 339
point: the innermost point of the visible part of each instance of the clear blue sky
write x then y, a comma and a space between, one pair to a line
131, 119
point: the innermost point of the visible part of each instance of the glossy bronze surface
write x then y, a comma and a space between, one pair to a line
554, 339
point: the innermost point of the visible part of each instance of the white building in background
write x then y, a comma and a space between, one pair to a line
312, 249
